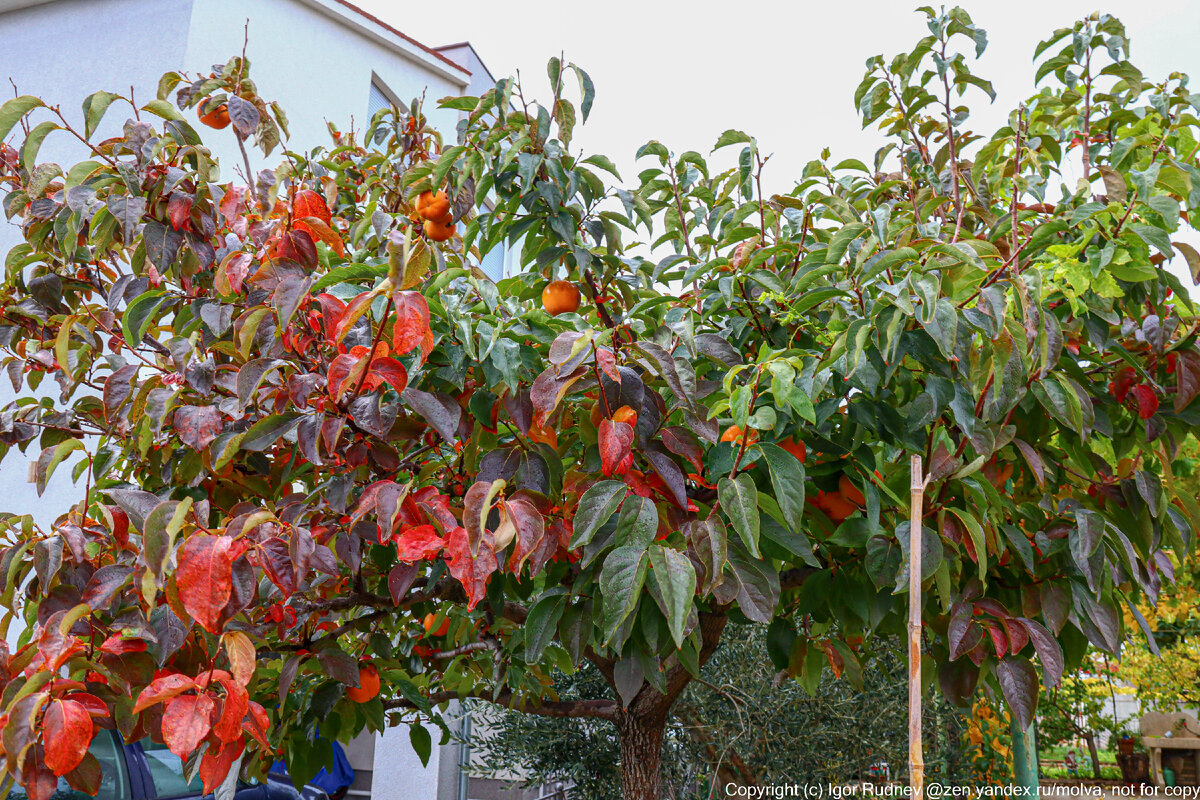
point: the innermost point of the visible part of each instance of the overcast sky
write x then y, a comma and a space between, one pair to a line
683, 72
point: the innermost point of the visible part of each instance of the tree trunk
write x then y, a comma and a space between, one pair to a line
641, 753
1091, 743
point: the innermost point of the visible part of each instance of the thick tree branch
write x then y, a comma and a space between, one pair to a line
598, 709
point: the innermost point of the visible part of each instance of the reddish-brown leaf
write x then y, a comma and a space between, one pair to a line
119, 645
257, 723
388, 370
412, 322
471, 572
608, 363
1147, 400
214, 767
319, 230
187, 719
205, 578
233, 710
275, 557
236, 266
332, 311
418, 543
197, 426
179, 209
344, 373
68, 732
308, 203
616, 439
163, 688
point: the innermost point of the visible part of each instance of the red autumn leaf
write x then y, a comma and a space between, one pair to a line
297, 246
54, 647
118, 645
332, 311
256, 724
214, 767
1122, 383
236, 267
36, 779
234, 707
94, 705
608, 364
616, 439
68, 732
412, 322
344, 373
471, 572
231, 203
388, 370
308, 203
419, 543
1147, 400
205, 578
197, 426
187, 719
355, 310
319, 230
179, 209
163, 688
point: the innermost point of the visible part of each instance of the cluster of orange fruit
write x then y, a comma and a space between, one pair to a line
435, 210
842, 502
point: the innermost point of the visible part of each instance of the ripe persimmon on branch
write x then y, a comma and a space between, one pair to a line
323, 449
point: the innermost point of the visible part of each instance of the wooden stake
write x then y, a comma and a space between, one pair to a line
916, 755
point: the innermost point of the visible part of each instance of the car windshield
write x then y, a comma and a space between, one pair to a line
114, 782
166, 770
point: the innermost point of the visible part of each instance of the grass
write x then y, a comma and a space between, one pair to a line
1059, 753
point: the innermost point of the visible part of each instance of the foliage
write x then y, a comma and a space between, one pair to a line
989, 741
751, 729
302, 424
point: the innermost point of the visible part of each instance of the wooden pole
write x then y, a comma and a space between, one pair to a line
916, 754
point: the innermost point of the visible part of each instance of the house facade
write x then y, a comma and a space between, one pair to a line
323, 61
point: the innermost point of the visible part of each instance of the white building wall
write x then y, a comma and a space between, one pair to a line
316, 61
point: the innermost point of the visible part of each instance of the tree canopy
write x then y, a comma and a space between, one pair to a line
303, 419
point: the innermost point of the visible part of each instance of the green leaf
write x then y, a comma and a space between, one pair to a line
12, 111
596, 507
621, 581
637, 523
94, 106
604, 163
732, 136
739, 499
33, 143
51, 457
161, 108
422, 742
542, 623
140, 314
787, 479
677, 581
269, 430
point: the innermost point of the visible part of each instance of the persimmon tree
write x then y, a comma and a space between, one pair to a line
303, 420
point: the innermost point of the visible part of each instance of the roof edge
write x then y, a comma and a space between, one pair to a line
430, 50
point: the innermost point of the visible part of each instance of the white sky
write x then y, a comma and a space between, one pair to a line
785, 72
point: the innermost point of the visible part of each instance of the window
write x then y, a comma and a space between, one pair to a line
114, 781
380, 97
166, 770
